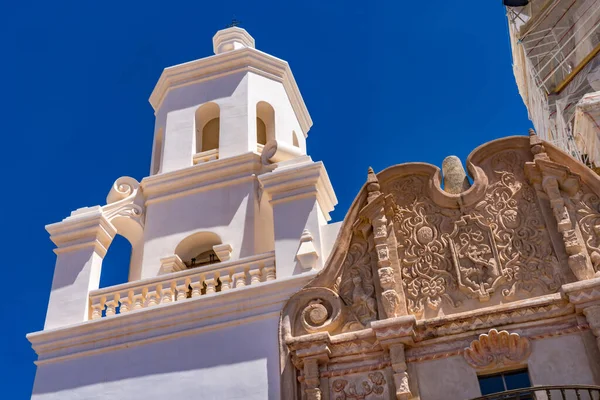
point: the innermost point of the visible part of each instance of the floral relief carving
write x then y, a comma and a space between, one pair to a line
499, 243
346, 389
356, 287
586, 206
497, 349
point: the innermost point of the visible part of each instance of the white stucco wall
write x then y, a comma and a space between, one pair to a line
446, 379
227, 211
237, 362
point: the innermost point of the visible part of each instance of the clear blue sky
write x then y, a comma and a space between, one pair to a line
386, 82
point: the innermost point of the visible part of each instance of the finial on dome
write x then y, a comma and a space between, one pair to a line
455, 177
232, 38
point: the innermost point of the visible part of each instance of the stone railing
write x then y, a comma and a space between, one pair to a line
205, 156
182, 285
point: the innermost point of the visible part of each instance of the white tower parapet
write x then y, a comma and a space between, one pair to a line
231, 221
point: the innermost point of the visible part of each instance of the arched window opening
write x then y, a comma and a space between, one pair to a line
197, 250
115, 265
207, 127
295, 139
205, 258
265, 123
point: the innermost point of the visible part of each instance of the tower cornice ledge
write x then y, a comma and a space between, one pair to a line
166, 321
242, 60
285, 184
83, 228
201, 177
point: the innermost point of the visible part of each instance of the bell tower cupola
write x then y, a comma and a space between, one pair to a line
228, 104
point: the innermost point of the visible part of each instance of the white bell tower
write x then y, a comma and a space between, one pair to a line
231, 222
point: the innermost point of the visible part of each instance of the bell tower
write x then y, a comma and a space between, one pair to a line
230, 222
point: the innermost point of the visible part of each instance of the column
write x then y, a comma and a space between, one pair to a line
302, 197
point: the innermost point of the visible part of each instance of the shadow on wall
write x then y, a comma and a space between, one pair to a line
224, 365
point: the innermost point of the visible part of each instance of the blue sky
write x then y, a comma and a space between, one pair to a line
386, 82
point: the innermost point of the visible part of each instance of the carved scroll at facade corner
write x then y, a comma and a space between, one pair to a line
497, 349
586, 206
125, 199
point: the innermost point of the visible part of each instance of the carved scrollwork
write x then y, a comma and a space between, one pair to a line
322, 310
125, 200
500, 242
586, 205
497, 349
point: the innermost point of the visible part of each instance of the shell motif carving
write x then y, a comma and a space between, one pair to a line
498, 244
373, 387
497, 349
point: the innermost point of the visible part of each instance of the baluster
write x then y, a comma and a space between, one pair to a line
255, 276
182, 289
138, 299
225, 282
97, 307
151, 297
197, 287
126, 302
239, 280
549, 394
562, 393
166, 292
210, 285
269, 273
111, 305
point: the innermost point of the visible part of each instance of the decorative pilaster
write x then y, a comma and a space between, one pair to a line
552, 180
82, 240
375, 212
311, 379
394, 334
585, 295
311, 352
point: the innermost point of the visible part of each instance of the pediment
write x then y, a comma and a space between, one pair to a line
407, 247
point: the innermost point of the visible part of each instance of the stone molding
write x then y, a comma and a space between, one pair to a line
300, 180
83, 228
171, 264
497, 350
164, 321
201, 177
242, 60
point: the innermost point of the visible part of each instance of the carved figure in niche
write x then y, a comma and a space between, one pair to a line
347, 390
586, 205
363, 304
475, 257
356, 286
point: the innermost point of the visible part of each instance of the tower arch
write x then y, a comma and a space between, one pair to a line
207, 123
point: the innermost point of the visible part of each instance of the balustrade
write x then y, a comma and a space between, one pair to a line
181, 285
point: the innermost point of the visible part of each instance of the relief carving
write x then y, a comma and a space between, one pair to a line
356, 286
498, 243
497, 349
345, 389
586, 206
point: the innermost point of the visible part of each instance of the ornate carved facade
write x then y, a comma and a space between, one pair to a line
420, 274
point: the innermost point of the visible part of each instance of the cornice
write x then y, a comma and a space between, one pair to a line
241, 60
583, 293
83, 228
298, 181
166, 321
200, 177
